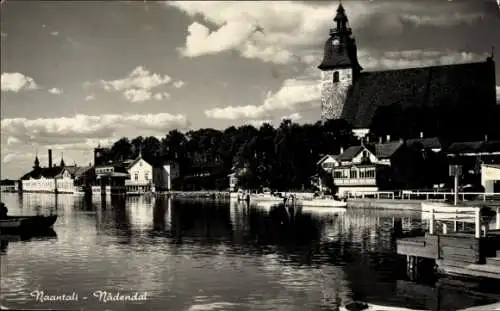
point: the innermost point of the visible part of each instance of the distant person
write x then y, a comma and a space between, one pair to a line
3, 210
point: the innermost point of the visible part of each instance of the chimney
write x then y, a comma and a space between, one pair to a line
341, 150
421, 134
380, 140
388, 138
50, 157
486, 137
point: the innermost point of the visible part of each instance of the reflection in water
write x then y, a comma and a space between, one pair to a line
197, 255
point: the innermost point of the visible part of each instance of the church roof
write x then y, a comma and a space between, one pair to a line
458, 85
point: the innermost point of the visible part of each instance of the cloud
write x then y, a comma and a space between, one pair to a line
90, 97
79, 130
138, 86
292, 94
15, 82
284, 32
293, 117
179, 84
55, 91
445, 20
55, 33
161, 96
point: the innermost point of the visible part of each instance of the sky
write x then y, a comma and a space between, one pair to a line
78, 74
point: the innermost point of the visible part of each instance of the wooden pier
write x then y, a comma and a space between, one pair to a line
474, 253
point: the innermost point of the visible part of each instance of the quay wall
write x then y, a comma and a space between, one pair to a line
407, 205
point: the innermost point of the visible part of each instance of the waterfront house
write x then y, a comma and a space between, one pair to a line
374, 167
328, 162
150, 175
233, 182
7, 185
471, 155
490, 177
110, 178
53, 179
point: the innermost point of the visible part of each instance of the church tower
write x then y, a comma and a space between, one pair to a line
339, 68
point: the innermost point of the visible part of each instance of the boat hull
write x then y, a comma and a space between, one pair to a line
26, 224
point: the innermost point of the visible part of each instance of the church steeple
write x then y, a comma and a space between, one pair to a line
37, 163
62, 164
340, 67
340, 50
341, 19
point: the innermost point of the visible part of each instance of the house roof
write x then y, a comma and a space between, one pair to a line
46, 172
326, 156
425, 143
430, 87
381, 151
474, 147
350, 153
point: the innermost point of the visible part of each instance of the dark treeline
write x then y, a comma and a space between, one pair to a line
285, 157
280, 158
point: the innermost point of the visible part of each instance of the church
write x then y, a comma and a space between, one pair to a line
438, 98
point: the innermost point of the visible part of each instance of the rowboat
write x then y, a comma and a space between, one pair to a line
26, 224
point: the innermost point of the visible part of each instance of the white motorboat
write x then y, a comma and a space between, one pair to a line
266, 197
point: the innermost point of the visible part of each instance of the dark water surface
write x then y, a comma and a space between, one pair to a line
216, 256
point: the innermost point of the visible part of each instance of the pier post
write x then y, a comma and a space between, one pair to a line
477, 222
445, 229
431, 222
455, 221
498, 219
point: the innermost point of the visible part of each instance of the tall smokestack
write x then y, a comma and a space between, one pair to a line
421, 134
50, 157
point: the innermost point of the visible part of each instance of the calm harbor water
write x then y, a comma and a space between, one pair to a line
216, 256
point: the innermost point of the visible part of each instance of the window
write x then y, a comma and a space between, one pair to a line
337, 174
140, 163
136, 176
353, 174
336, 77
146, 175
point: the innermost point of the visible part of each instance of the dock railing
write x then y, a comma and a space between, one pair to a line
423, 195
470, 215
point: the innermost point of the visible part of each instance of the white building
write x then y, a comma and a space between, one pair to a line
150, 177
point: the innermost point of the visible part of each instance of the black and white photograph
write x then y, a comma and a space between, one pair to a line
337, 155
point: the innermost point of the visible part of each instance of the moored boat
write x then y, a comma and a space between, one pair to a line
26, 224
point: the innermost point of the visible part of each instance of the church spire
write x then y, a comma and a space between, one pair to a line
37, 162
341, 18
62, 164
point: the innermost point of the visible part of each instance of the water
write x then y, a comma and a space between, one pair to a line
216, 256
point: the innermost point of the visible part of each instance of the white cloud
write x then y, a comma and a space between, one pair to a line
446, 20
161, 96
79, 130
55, 91
138, 86
179, 84
283, 32
15, 82
293, 117
55, 33
90, 97
293, 93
